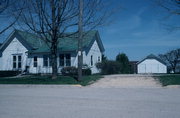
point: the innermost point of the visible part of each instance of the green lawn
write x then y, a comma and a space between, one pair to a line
34, 79
166, 80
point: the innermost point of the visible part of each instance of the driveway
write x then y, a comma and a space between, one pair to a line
56, 101
127, 81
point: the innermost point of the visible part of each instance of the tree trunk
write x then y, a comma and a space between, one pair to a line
54, 60
174, 65
54, 38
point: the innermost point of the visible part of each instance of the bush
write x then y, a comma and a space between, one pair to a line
73, 71
9, 73
86, 71
170, 79
69, 71
109, 67
124, 62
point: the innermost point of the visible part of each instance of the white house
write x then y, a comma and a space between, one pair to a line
151, 64
25, 51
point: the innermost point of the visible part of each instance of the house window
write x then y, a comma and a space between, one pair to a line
99, 59
61, 61
14, 62
68, 60
50, 61
17, 61
45, 60
65, 60
35, 61
91, 60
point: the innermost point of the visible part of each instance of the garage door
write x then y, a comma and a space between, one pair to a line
154, 68
142, 68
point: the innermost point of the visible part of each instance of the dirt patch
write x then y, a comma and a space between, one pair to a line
126, 81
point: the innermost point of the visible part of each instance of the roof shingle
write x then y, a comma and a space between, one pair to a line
65, 44
152, 56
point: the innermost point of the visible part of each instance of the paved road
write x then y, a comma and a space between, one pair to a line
88, 102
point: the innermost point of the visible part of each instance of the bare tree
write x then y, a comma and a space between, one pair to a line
173, 10
172, 6
51, 19
6, 12
171, 58
3, 5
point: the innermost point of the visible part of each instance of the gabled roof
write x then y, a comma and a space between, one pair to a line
35, 45
13, 35
151, 56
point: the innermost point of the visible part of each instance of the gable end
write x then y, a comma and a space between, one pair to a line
13, 35
152, 57
99, 42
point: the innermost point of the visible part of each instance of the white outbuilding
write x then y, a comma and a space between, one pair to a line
151, 64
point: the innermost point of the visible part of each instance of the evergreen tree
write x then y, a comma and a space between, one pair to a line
124, 62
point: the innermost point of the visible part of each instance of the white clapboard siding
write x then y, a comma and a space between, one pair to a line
14, 48
151, 66
16, 45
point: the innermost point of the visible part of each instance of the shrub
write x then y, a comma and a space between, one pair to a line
86, 71
9, 73
124, 61
109, 67
171, 79
69, 71
73, 71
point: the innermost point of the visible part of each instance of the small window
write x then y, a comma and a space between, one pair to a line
14, 58
68, 60
45, 60
99, 59
35, 61
91, 60
19, 58
50, 61
14, 61
19, 61
61, 61
65, 60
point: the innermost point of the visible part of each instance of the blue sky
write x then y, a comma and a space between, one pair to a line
139, 30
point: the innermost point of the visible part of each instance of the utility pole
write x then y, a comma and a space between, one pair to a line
80, 36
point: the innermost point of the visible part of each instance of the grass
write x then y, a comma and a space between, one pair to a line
166, 80
61, 80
